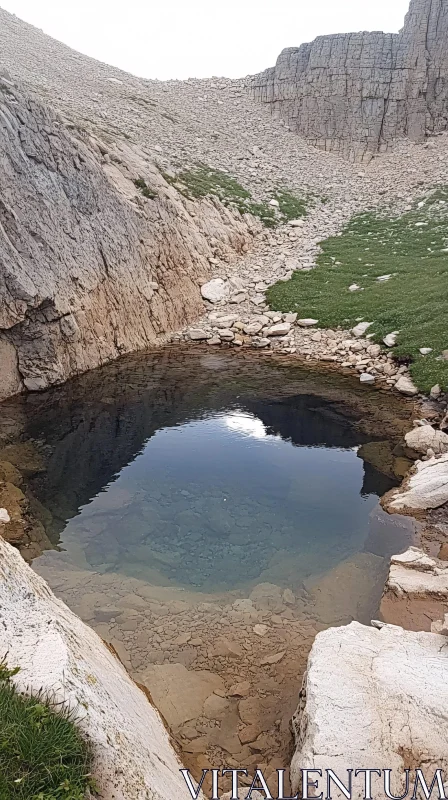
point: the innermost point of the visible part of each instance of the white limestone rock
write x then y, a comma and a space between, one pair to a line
56, 652
405, 386
366, 377
416, 591
281, 329
427, 438
361, 329
426, 488
4, 516
371, 696
215, 290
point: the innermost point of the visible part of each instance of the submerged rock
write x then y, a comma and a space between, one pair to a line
372, 691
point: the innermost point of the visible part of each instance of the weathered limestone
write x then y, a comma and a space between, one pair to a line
427, 438
373, 698
355, 93
134, 758
416, 592
90, 267
426, 488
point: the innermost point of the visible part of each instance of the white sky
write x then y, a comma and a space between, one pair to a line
200, 38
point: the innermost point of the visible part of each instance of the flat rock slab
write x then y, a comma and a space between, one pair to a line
426, 488
179, 693
416, 592
372, 697
58, 653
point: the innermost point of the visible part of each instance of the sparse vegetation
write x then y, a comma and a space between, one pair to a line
413, 250
145, 190
42, 754
291, 206
202, 181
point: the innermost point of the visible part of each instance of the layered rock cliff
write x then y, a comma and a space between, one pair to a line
91, 265
356, 93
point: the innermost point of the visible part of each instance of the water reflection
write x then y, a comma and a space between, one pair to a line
212, 477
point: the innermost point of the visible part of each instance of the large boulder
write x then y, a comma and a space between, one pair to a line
373, 699
426, 488
416, 592
427, 438
56, 652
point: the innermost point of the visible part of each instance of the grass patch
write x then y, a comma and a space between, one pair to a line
413, 249
203, 181
145, 190
42, 754
291, 206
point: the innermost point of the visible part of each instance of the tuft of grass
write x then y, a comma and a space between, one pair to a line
145, 190
413, 249
42, 754
291, 206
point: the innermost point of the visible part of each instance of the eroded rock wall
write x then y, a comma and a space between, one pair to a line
90, 267
355, 93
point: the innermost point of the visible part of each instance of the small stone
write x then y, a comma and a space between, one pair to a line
391, 339
405, 386
289, 597
360, 329
374, 350
4, 516
435, 392
274, 203
354, 287
272, 659
226, 335
227, 648
261, 630
216, 290
239, 298
296, 223
281, 329
239, 689
184, 638
215, 340
366, 377
215, 707
253, 329
290, 318
425, 351
307, 323
198, 335
249, 734
260, 343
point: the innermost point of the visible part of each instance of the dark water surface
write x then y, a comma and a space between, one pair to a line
210, 471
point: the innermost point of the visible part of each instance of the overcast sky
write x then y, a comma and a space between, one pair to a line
200, 38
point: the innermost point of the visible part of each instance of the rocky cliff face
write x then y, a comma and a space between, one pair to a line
91, 267
355, 93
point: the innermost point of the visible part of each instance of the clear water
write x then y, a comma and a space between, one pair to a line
209, 472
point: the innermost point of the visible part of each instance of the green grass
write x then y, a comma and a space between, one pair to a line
145, 190
42, 754
291, 206
203, 181
415, 299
